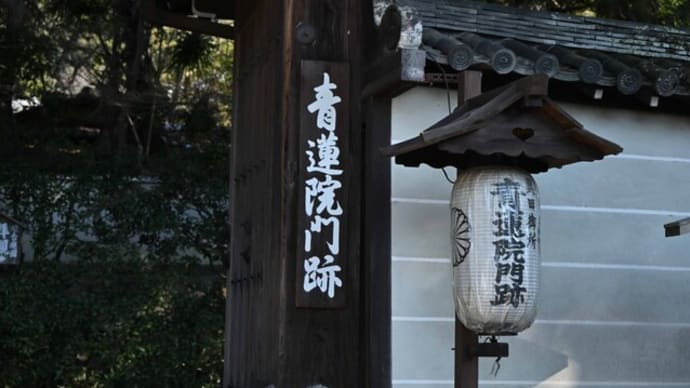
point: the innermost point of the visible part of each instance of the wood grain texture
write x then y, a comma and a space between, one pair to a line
516, 125
376, 243
319, 346
466, 366
269, 339
251, 338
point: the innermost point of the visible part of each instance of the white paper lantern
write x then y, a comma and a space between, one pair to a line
496, 249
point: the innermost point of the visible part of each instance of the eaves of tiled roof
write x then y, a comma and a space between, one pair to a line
588, 50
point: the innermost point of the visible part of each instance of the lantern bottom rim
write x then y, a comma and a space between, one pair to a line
501, 334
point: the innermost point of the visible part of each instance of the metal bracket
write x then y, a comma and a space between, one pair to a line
201, 14
498, 349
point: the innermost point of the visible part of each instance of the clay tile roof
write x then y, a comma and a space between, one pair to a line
596, 51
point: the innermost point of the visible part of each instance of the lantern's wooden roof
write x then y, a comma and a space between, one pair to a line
515, 125
632, 57
10, 220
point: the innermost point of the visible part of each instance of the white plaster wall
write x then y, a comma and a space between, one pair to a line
615, 301
8, 243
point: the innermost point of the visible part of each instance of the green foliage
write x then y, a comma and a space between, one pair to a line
160, 194
193, 51
114, 324
665, 12
121, 171
178, 214
152, 77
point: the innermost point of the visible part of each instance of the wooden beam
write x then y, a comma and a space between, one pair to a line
252, 340
220, 9
318, 346
376, 244
394, 73
466, 365
223, 9
162, 17
270, 340
677, 228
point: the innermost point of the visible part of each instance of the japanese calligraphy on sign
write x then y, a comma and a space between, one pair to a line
512, 241
320, 274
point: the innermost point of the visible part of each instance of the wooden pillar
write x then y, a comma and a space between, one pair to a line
466, 366
277, 332
376, 242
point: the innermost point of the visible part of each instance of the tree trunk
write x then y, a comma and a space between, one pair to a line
130, 33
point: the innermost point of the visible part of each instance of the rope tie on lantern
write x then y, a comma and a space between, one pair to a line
450, 110
497, 364
445, 81
452, 182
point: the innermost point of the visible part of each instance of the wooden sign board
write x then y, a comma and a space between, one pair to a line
322, 185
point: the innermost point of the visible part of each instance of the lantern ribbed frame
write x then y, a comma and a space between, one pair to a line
486, 203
